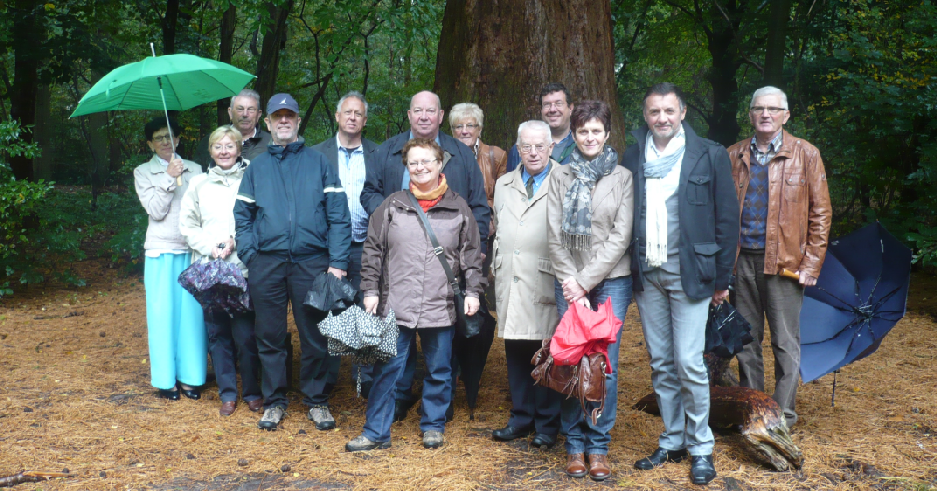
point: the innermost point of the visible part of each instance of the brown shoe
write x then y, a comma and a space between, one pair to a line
598, 467
575, 466
227, 408
256, 405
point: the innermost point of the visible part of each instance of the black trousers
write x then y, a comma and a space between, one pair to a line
232, 338
533, 405
274, 283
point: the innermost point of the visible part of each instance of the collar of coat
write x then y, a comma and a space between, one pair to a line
785, 152
216, 174
155, 167
450, 145
295, 147
515, 180
694, 150
448, 201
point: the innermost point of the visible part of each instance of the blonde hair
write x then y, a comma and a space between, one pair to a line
464, 110
223, 131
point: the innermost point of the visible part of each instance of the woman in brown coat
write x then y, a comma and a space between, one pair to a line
400, 271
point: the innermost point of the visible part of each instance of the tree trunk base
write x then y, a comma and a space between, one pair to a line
30, 476
760, 417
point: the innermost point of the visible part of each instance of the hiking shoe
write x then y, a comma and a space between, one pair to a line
433, 439
321, 417
272, 418
361, 443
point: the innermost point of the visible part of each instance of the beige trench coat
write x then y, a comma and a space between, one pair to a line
521, 265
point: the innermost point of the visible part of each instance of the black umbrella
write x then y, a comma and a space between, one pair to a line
472, 355
727, 332
861, 293
329, 292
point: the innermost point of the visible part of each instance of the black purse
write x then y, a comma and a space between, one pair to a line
466, 325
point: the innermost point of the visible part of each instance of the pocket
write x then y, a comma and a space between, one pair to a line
547, 279
698, 190
260, 229
794, 186
706, 261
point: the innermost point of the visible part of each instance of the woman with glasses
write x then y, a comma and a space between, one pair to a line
207, 223
401, 272
466, 121
590, 212
175, 328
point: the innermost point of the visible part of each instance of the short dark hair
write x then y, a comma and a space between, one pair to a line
662, 89
159, 123
555, 87
586, 110
422, 143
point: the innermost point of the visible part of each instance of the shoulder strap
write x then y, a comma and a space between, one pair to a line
439, 251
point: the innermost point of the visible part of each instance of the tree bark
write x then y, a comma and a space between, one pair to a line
98, 145
269, 62
723, 46
26, 44
777, 42
44, 163
169, 27
499, 53
228, 24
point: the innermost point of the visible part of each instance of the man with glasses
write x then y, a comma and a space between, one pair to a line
555, 110
785, 224
291, 218
350, 155
388, 176
245, 113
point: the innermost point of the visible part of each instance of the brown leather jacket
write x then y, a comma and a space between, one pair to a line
493, 163
799, 209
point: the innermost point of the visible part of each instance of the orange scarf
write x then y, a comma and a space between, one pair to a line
430, 199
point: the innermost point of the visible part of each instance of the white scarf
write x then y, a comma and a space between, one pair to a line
658, 191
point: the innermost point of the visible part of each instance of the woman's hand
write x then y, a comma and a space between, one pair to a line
175, 168
584, 301
471, 305
224, 249
572, 291
370, 305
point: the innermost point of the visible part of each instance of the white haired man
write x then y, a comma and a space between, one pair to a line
245, 113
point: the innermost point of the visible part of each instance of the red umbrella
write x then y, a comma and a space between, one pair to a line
582, 332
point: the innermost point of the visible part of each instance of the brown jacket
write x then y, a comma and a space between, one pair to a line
399, 266
798, 225
612, 214
492, 168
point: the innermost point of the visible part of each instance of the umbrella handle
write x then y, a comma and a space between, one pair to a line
789, 274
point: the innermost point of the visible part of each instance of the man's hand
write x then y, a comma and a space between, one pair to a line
338, 273
471, 306
370, 305
806, 279
719, 297
572, 291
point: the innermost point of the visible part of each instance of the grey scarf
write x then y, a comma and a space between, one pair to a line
577, 204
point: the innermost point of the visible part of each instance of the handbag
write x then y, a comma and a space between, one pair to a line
466, 325
584, 381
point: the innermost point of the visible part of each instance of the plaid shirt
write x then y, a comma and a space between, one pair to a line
755, 205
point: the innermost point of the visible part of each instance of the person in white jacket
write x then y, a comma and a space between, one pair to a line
207, 223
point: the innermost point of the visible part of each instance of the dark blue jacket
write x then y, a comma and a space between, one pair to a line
291, 204
708, 209
462, 176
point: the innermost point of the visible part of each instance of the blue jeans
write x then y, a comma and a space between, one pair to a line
437, 383
581, 435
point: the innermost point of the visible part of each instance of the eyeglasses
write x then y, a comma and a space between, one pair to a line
248, 110
774, 111
425, 163
419, 111
229, 147
468, 126
559, 105
161, 139
527, 148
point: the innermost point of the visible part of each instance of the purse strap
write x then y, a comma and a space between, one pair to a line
439, 251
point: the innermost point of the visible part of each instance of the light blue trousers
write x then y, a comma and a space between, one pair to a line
174, 323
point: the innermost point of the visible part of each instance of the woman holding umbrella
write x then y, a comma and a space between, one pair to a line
400, 271
207, 223
175, 328
589, 230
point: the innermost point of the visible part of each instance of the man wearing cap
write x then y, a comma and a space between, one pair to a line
292, 224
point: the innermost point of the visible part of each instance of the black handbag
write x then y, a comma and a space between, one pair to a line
466, 325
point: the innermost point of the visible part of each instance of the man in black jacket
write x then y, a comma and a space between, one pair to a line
292, 224
350, 155
685, 233
389, 175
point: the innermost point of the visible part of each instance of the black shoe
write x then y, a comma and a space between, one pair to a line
702, 470
543, 441
366, 388
401, 406
172, 395
659, 457
194, 393
509, 433
450, 412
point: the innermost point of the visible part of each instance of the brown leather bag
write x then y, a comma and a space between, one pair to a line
584, 381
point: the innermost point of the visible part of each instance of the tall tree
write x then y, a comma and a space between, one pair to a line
27, 37
268, 64
499, 53
228, 24
169, 26
778, 18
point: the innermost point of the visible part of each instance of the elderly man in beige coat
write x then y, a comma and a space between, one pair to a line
524, 284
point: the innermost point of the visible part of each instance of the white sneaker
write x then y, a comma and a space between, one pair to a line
321, 417
272, 418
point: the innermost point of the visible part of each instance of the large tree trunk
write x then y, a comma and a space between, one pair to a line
499, 53
26, 41
269, 62
228, 24
169, 27
777, 41
100, 151
43, 164
723, 125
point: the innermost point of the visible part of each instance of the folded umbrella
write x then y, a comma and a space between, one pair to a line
582, 332
366, 338
727, 332
217, 285
329, 292
472, 355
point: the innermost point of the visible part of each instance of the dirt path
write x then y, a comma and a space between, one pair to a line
75, 394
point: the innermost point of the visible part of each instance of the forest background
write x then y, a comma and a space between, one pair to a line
860, 77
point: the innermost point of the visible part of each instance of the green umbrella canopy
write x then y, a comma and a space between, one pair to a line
187, 81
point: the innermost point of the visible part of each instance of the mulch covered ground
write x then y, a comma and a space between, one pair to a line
75, 394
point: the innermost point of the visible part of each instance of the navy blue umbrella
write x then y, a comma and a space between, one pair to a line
861, 293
